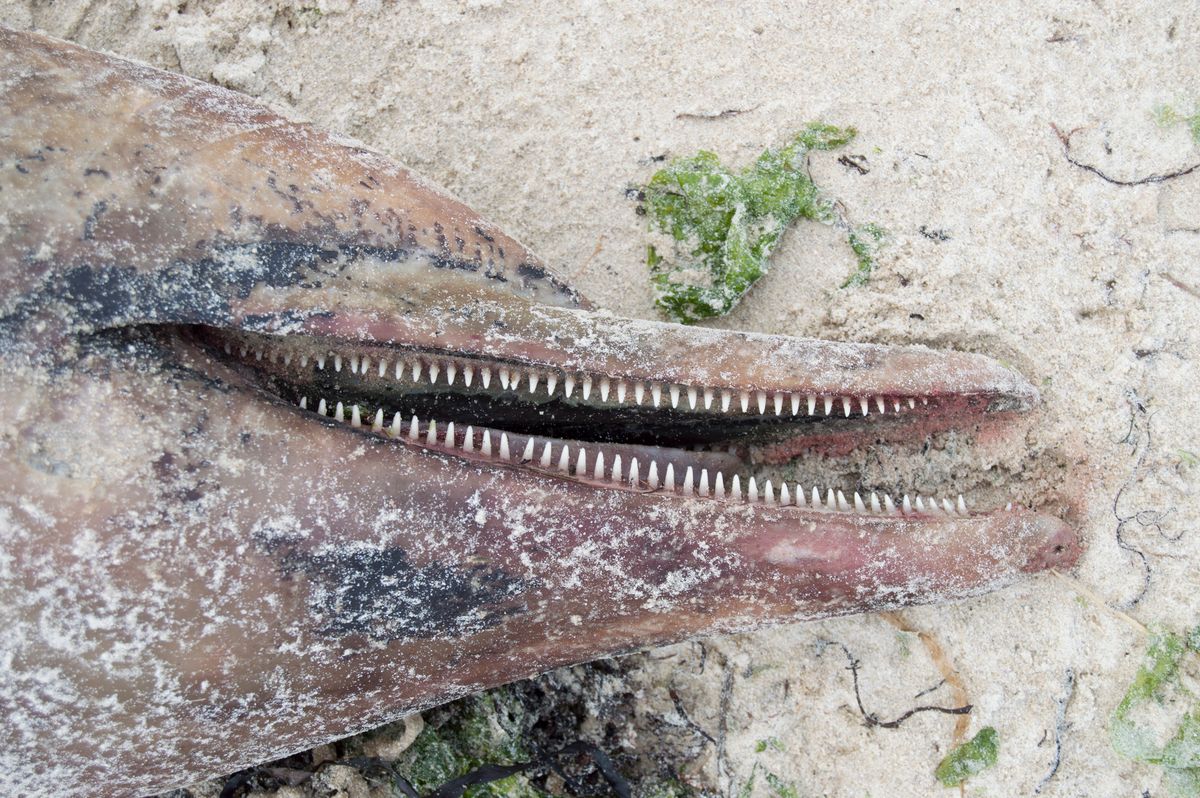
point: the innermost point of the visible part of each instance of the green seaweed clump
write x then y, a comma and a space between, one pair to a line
1157, 695
725, 224
1166, 116
973, 756
485, 729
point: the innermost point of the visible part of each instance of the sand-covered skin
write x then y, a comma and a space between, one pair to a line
540, 118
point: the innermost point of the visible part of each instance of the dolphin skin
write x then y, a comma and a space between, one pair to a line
295, 444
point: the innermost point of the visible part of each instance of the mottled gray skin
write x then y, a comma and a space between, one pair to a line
195, 576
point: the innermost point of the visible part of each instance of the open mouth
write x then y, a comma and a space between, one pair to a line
610, 431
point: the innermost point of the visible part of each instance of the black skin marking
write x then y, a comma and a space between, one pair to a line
380, 595
89, 224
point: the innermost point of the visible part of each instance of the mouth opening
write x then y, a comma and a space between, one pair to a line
611, 431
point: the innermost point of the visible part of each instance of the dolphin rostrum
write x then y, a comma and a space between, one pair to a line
294, 444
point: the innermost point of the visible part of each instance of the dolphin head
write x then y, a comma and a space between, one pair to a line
295, 444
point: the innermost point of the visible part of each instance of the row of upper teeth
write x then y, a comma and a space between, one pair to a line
622, 390
488, 444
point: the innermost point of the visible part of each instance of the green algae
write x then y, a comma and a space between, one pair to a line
1157, 699
1167, 116
489, 729
725, 224
975, 755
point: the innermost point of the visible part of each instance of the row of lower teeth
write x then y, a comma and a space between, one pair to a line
489, 445
618, 389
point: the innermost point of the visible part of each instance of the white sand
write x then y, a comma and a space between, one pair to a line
541, 117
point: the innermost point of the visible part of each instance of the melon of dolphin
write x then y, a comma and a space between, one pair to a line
294, 444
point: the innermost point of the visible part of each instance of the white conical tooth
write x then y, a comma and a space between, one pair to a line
258, 354
303, 402
598, 468
888, 504
674, 395
762, 402
320, 362
669, 477
778, 404
383, 367
622, 387
414, 428
726, 397
287, 358
708, 397
581, 462
505, 454
564, 459
875, 508
1008, 507
586, 388
655, 393
906, 505
812, 404
865, 405
920, 504
785, 497
337, 362
546, 456
228, 349
304, 361
533, 380
431, 433
691, 395
830, 500
469, 439
354, 364
799, 495
451, 372
842, 504
896, 405
880, 405
911, 403
752, 490
417, 365
948, 507
364, 365
846, 405
502, 373
485, 376
859, 507
924, 400
735, 488
468, 374
569, 385
377, 424
815, 500
962, 505
688, 482
744, 400
450, 435
652, 477
322, 408
703, 487
551, 383
768, 492
633, 472
719, 486
435, 369
605, 387
527, 455
401, 367
340, 412
396, 425
795, 402
639, 392
485, 444
616, 470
